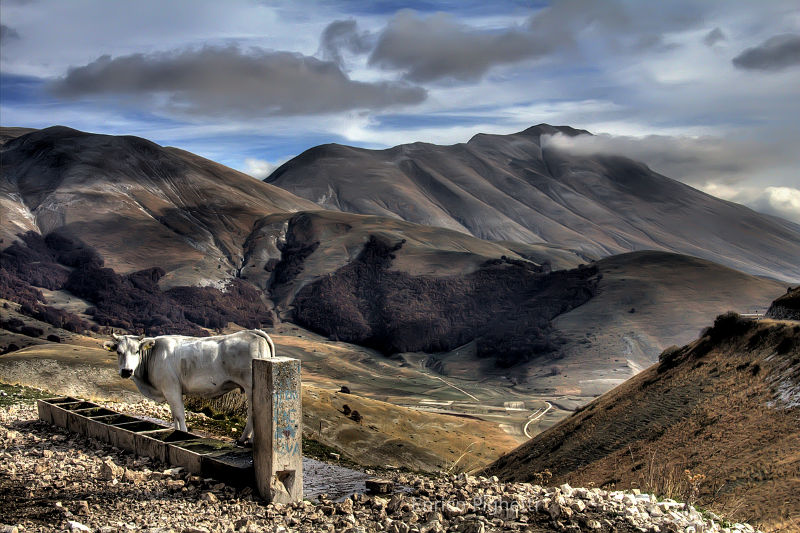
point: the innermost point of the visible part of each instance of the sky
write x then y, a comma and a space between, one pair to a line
705, 92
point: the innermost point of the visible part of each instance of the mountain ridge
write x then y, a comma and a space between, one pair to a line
518, 188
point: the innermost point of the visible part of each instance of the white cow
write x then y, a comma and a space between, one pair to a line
165, 368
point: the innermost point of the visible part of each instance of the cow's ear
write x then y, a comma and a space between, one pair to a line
111, 346
147, 344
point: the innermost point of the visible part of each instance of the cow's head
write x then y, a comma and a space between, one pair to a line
129, 351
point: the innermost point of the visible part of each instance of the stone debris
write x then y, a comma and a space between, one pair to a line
379, 486
54, 481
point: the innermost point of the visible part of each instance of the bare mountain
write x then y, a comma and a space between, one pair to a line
117, 220
518, 188
724, 408
137, 203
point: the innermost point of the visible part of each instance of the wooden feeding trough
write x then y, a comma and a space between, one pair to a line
276, 472
199, 455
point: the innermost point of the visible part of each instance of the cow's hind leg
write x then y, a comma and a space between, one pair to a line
175, 401
247, 434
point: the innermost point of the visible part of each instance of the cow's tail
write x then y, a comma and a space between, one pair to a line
263, 334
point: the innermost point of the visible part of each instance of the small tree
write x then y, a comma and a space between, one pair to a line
345, 389
346, 410
356, 417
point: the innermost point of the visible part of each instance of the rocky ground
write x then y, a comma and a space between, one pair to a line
51, 480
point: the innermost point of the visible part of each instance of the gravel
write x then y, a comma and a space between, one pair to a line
51, 480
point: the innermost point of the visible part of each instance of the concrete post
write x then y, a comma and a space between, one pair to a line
278, 429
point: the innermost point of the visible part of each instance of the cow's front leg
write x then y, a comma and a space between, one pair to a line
175, 401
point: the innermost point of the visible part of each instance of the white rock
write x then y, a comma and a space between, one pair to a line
450, 511
629, 499
77, 526
578, 506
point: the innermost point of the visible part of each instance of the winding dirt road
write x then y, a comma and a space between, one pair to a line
536, 416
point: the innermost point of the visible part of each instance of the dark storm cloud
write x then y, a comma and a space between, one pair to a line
342, 35
7, 34
438, 46
434, 47
217, 81
713, 37
776, 53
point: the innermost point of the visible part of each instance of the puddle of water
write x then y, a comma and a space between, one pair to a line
76, 406
138, 426
172, 435
115, 419
94, 412
66, 399
238, 459
336, 481
205, 445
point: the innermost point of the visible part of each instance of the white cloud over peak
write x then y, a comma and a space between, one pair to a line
258, 168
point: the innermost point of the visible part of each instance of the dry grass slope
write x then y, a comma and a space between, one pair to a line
725, 406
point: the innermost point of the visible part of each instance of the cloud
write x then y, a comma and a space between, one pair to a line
7, 34
714, 36
721, 167
776, 53
342, 35
438, 46
782, 202
692, 159
703, 161
258, 168
779, 201
261, 168
228, 81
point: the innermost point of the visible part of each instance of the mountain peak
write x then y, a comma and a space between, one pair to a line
506, 187
547, 129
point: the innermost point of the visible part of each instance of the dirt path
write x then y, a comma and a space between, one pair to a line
535, 417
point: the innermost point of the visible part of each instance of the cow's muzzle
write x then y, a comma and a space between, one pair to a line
125, 373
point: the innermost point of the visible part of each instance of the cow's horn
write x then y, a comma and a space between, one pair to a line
115, 336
